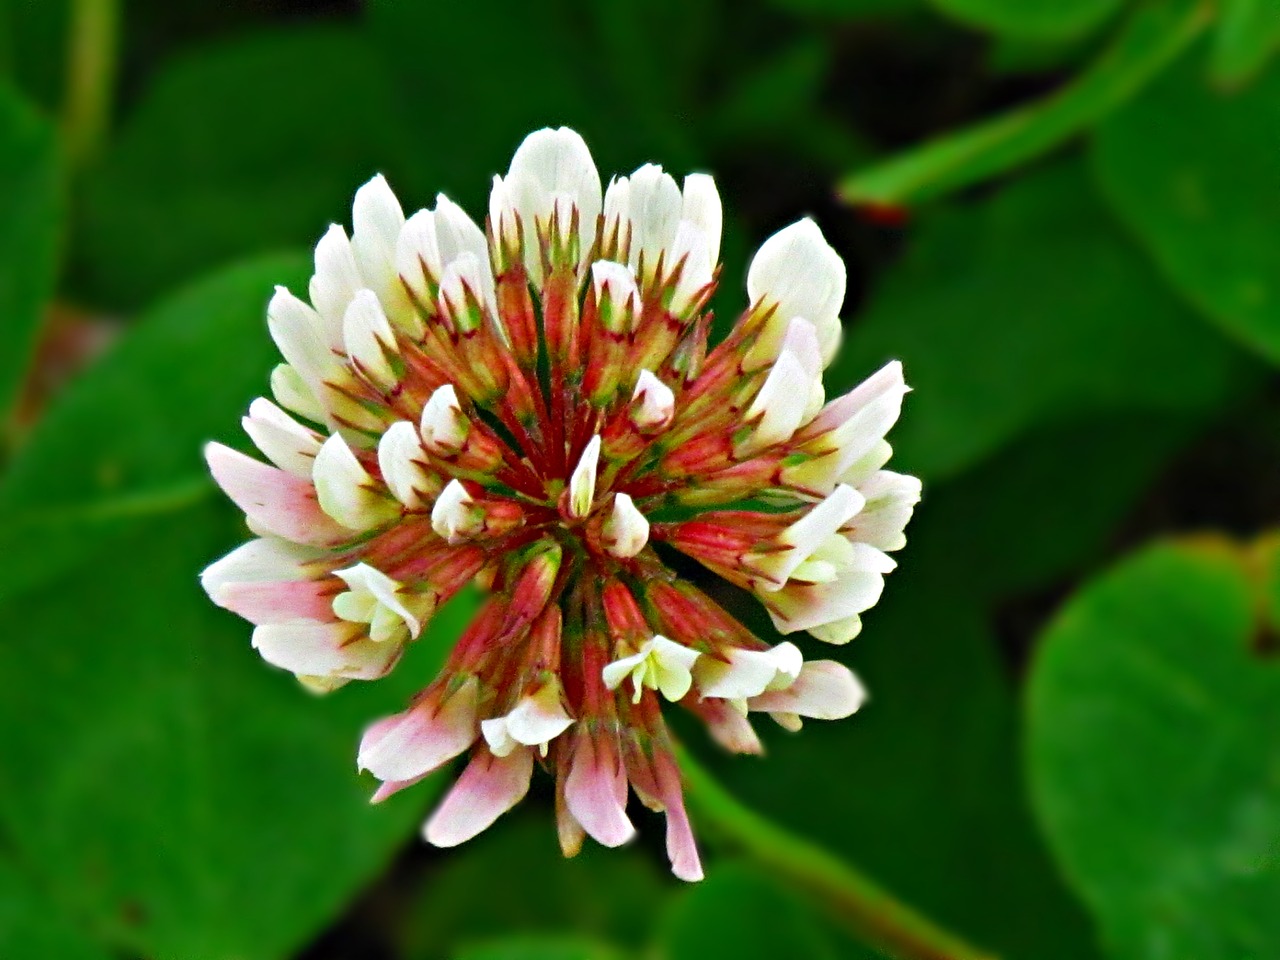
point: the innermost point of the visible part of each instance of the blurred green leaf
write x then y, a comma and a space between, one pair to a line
617, 75
1192, 171
183, 375
539, 948
1152, 753
921, 786
31, 211
1153, 37
1247, 36
241, 147
608, 895
850, 8
1025, 518
33, 42
234, 823
1028, 309
37, 545
30, 926
1036, 19
123, 442
738, 912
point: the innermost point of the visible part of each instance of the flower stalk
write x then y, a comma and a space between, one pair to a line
850, 898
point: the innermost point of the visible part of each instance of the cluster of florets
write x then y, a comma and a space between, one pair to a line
534, 407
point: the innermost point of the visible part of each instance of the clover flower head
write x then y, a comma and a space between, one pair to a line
535, 406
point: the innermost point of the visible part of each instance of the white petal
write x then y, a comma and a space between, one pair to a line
808, 534
444, 428
263, 560
369, 339
891, 499
367, 581
323, 650
284, 441
553, 166
400, 459
582, 483
345, 489
747, 673
626, 531
701, 207
457, 235
837, 632
539, 718
780, 404
797, 270
418, 248
336, 280
497, 736
465, 273
616, 672
689, 245
376, 220
453, 516
293, 393
305, 341
502, 211
658, 403
654, 206
617, 293
673, 663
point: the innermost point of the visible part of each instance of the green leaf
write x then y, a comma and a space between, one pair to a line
616, 73
30, 926
850, 9
242, 147
737, 912
1153, 750
597, 894
124, 440
1028, 309
181, 376
921, 786
1153, 37
1021, 521
1247, 36
1192, 172
539, 948
1034, 19
173, 791
31, 211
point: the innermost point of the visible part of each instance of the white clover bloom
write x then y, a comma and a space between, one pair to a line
534, 406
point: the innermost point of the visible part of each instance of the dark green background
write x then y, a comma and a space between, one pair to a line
1062, 215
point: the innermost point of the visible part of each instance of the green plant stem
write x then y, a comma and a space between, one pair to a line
91, 73
1154, 36
852, 899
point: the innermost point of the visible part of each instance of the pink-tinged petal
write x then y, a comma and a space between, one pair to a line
596, 792
539, 717
729, 728
264, 559
568, 830
410, 744
747, 672
286, 601
392, 787
274, 501
825, 690
682, 849
324, 650
488, 788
